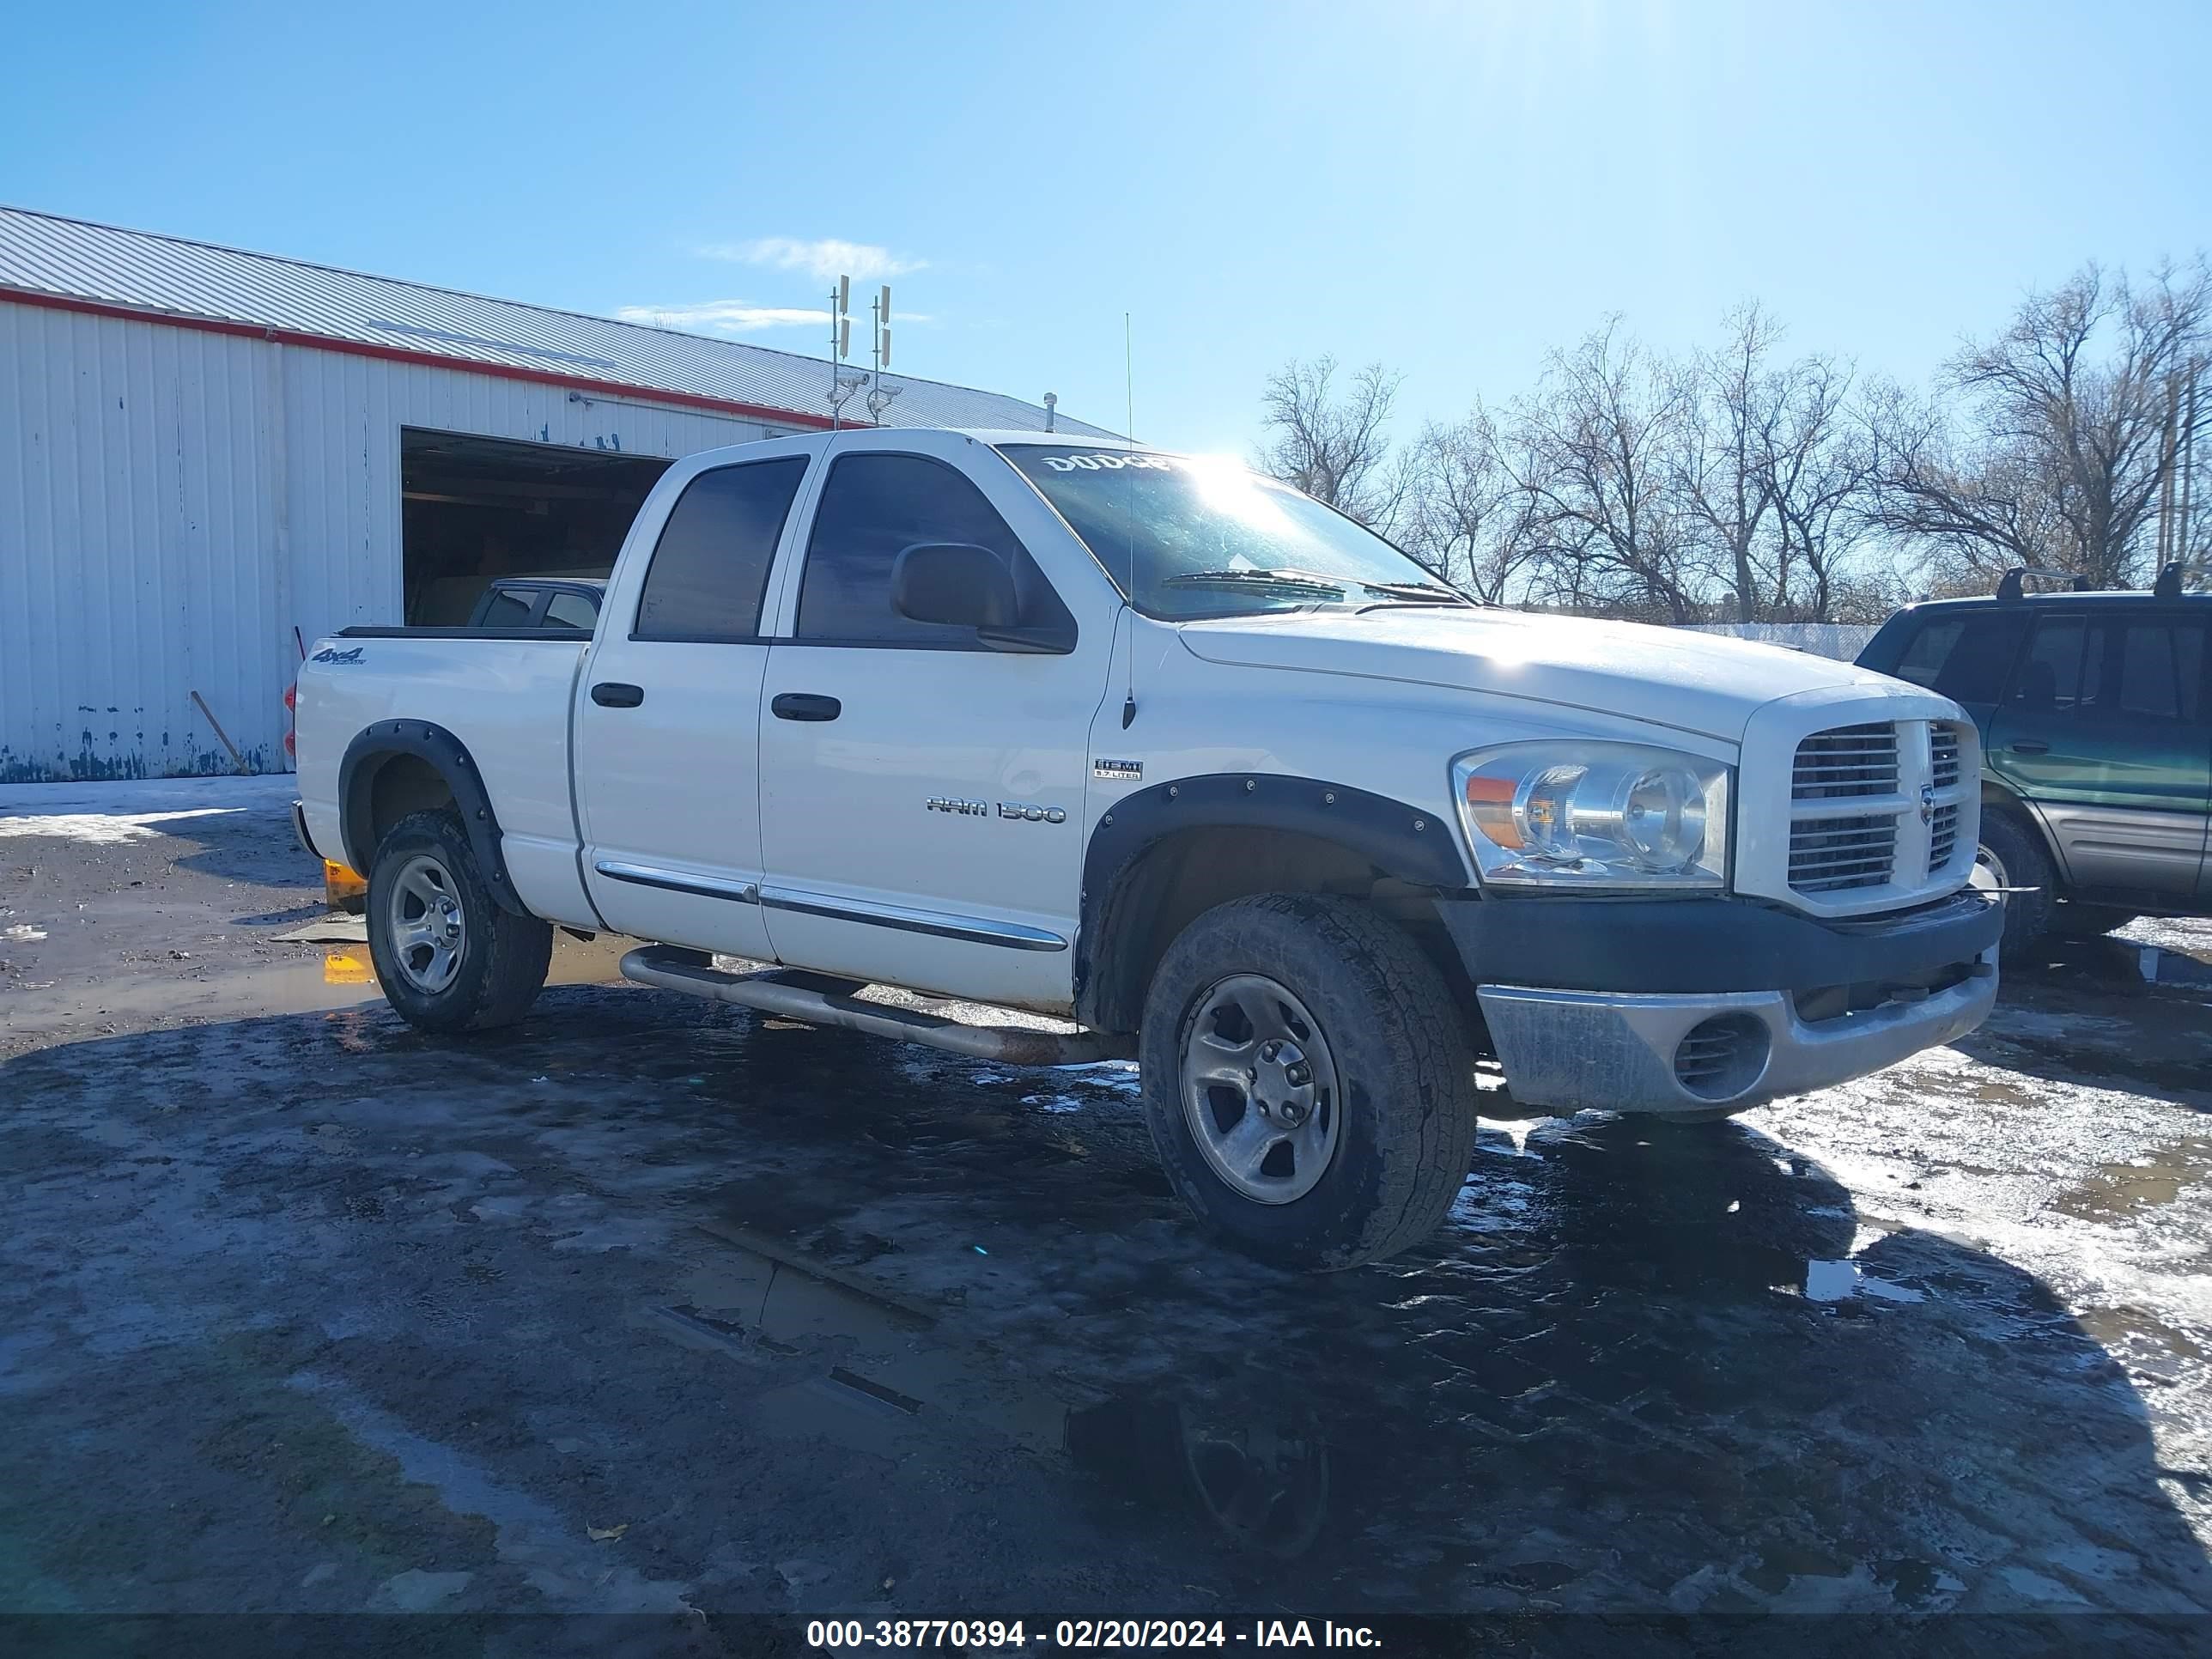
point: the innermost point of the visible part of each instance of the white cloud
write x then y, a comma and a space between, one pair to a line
824, 260
724, 317
743, 317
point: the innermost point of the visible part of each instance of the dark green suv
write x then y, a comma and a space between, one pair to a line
2096, 711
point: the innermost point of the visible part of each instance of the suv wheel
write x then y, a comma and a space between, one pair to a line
2011, 855
1306, 1080
448, 957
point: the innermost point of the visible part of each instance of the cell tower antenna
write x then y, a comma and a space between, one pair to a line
841, 346
880, 395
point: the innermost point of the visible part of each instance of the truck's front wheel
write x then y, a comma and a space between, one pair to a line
449, 958
1306, 1080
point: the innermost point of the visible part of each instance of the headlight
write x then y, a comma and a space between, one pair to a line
1594, 816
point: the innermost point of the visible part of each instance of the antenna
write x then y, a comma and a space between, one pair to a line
880, 395
841, 346
1129, 500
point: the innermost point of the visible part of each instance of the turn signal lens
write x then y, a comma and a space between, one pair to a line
1490, 804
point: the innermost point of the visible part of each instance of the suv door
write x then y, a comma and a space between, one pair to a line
921, 792
2104, 728
667, 724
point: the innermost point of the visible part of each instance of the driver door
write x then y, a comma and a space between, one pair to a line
921, 793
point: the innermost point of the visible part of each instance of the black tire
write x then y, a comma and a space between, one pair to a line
1404, 1134
502, 956
2072, 921
2019, 857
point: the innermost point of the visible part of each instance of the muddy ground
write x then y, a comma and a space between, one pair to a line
656, 1307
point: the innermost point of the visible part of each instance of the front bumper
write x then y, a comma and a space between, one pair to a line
1693, 1030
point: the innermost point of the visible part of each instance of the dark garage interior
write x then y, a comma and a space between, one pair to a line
473, 508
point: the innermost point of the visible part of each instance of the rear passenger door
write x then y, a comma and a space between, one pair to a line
2105, 728
667, 744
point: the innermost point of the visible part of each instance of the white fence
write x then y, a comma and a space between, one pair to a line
1842, 640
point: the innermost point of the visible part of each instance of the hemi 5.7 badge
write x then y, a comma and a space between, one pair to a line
1117, 770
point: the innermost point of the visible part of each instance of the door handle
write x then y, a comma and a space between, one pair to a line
803, 706
2030, 746
613, 694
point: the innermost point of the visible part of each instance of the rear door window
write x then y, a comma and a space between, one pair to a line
2161, 669
710, 569
1965, 658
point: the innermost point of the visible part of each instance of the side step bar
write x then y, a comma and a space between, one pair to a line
796, 996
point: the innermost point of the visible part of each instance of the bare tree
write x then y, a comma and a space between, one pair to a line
2062, 451
1730, 416
1597, 453
1817, 471
1468, 520
1335, 448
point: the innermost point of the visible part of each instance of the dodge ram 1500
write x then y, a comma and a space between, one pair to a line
1185, 757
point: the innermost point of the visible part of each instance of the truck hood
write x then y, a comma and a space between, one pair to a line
1704, 683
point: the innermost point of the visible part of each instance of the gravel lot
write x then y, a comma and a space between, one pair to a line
656, 1307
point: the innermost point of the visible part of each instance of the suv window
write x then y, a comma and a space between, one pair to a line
565, 610
2143, 668
505, 607
711, 566
873, 508
2162, 669
1963, 658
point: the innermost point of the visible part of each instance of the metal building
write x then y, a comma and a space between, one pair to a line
208, 456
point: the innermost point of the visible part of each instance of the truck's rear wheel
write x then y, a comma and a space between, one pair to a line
448, 957
1306, 1080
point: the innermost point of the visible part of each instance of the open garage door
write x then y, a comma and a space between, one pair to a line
473, 508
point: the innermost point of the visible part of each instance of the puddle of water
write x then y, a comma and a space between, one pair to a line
1840, 1281
2118, 1191
2119, 964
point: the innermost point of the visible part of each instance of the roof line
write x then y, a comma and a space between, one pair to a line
311, 342
486, 298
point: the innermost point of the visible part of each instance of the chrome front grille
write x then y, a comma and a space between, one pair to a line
1943, 833
1944, 754
1828, 855
1878, 811
1846, 763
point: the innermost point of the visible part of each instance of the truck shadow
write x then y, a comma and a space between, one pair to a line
2105, 1012
1639, 1371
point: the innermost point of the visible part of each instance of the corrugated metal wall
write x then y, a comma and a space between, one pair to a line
173, 502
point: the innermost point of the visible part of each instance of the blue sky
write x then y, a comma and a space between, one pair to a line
1450, 188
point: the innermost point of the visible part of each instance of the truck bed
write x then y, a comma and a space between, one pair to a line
504, 692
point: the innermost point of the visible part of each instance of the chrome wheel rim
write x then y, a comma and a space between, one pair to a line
426, 925
1988, 874
1259, 1089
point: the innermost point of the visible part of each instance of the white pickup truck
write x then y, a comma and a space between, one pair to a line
1173, 752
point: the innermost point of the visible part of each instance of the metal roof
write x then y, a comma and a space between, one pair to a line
72, 261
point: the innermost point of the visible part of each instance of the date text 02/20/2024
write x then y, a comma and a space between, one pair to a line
961, 1633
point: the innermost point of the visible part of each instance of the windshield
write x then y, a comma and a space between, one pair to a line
1189, 535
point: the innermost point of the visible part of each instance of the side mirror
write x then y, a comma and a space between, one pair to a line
954, 582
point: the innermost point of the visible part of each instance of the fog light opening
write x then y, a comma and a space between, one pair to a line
1721, 1058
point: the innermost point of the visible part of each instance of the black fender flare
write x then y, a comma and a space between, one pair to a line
1416, 845
367, 754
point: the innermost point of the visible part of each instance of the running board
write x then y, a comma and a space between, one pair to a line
671, 968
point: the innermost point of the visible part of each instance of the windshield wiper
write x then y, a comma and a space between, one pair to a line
1283, 581
1417, 593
